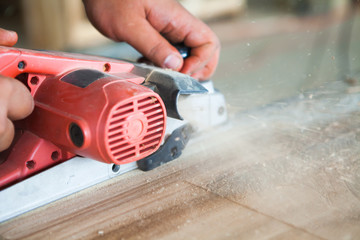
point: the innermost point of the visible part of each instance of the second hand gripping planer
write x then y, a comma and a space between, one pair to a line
124, 115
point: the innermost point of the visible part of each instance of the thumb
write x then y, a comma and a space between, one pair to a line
7, 38
152, 45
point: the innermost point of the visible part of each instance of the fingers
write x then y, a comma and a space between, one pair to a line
15, 98
21, 103
202, 62
204, 73
127, 20
151, 26
8, 38
15, 103
181, 26
154, 46
6, 133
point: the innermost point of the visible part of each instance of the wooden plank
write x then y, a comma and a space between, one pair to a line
135, 213
272, 174
302, 173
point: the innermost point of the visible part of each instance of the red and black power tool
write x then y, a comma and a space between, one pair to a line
109, 110
124, 115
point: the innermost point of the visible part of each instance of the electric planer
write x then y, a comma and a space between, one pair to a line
95, 118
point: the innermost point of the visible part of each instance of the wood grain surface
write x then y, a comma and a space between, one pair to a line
266, 174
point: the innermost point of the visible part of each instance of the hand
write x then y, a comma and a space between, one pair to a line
151, 26
15, 99
7, 38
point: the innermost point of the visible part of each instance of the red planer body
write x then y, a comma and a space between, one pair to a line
88, 106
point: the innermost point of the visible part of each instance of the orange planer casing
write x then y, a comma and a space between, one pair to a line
88, 106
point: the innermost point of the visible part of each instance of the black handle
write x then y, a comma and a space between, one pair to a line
183, 50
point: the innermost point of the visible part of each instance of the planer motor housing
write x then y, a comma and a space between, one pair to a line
88, 106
